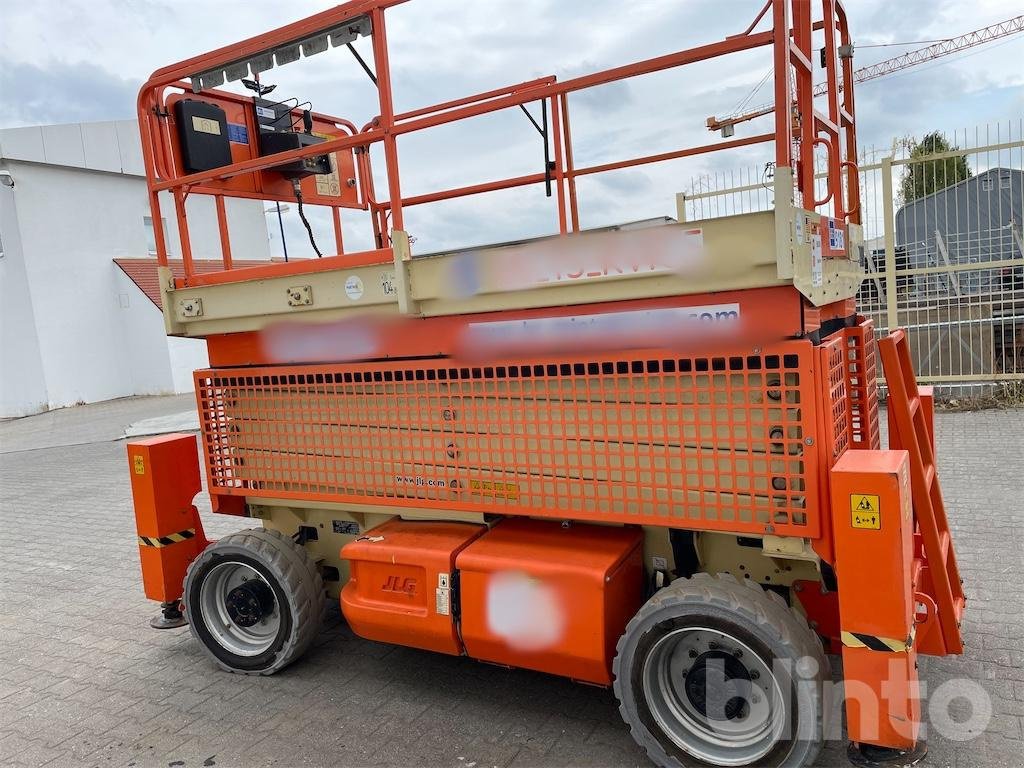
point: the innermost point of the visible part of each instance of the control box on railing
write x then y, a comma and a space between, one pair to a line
216, 129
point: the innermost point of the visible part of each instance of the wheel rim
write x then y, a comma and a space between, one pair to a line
713, 696
240, 609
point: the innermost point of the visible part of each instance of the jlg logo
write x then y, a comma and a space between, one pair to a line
405, 585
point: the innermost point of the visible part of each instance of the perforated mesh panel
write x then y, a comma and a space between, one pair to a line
862, 384
834, 368
713, 442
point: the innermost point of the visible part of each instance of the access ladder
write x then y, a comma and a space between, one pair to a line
938, 589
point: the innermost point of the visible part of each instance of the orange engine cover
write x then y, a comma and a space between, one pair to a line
539, 596
400, 585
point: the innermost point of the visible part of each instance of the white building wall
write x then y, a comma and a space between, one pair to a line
72, 223
157, 364
186, 357
77, 204
148, 364
22, 383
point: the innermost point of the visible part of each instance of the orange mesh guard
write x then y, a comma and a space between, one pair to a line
719, 443
862, 385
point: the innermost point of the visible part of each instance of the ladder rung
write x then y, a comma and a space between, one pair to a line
944, 546
929, 476
915, 406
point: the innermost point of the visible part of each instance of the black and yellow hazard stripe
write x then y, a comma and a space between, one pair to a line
875, 643
164, 541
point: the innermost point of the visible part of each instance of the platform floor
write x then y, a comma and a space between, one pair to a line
84, 681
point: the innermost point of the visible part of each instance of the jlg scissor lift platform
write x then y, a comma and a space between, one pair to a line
645, 458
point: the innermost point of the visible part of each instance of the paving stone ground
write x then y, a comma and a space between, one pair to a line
84, 680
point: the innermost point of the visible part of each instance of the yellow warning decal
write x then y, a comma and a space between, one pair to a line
875, 643
140, 465
166, 541
865, 511
495, 488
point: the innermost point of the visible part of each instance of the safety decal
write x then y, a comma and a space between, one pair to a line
328, 184
865, 511
345, 527
871, 642
139, 464
238, 133
354, 287
166, 541
494, 488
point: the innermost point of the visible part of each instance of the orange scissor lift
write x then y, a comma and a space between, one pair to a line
645, 457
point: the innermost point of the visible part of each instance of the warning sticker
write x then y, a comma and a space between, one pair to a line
817, 273
329, 184
345, 527
140, 465
354, 287
865, 511
238, 133
495, 488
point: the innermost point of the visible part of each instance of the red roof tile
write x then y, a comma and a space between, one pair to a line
143, 272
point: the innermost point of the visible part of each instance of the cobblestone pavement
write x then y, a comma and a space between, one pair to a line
85, 681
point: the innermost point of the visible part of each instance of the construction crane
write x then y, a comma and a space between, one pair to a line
881, 69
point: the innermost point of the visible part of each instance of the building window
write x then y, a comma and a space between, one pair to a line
987, 185
1004, 182
151, 235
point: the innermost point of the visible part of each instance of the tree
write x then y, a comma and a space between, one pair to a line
924, 177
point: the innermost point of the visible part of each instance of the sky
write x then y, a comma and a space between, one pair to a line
67, 61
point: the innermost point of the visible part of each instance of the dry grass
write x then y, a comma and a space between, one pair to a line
1007, 394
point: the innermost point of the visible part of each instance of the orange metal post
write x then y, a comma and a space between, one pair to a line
339, 241
387, 115
783, 78
158, 229
556, 130
165, 478
186, 244
847, 113
872, 526
799, 54
832, 77
574, 213
222, 225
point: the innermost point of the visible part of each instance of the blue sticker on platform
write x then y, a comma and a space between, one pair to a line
238, 133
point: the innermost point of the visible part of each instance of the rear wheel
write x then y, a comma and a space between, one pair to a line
255, 601
714, 672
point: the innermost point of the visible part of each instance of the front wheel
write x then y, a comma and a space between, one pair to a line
712, 672
255, 601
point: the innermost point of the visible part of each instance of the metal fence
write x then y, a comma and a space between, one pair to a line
944, 255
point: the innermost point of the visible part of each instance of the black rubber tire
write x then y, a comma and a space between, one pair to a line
297, 586
759, 618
